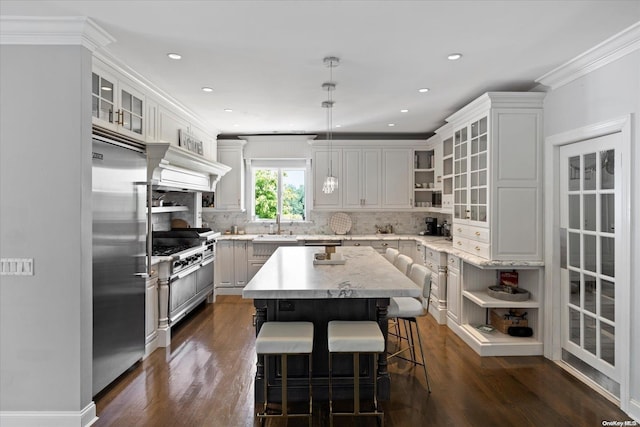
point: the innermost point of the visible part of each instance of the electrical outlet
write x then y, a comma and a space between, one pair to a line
16, 266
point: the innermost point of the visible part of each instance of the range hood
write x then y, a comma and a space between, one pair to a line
174, 168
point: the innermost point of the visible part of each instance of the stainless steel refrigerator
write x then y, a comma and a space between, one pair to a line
119, 258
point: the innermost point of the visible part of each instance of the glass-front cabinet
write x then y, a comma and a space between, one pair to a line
478, 171
497, 176
116, 106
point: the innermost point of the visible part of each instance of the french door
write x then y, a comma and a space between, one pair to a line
590, 212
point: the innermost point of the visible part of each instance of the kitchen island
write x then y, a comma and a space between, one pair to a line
290, 287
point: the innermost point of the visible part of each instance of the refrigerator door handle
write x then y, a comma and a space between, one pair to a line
143, 275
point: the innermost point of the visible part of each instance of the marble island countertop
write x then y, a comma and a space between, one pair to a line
436, 243
291, 274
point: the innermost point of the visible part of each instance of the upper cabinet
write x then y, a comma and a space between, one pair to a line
497, 176
370, 176
396, 178
327, 161
361, 178
119, 104
116, 105
230, 190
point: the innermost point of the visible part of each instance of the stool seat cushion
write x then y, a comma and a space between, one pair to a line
285, 338
404, 307
355, 337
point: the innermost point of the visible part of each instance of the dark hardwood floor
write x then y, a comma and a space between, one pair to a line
206, 379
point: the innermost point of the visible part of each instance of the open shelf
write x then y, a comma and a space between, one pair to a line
482, 299
164, 209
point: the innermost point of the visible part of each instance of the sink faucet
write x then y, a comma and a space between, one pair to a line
278, 222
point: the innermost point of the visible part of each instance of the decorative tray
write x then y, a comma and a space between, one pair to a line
508, 293
336, 259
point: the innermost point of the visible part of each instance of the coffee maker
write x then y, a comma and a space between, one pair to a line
432, 226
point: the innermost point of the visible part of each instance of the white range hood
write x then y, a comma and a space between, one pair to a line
174, 168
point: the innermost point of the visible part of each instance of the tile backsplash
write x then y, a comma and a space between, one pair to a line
362, 222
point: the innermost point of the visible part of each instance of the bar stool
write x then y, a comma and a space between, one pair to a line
391, 254
284, 339
355, 337
403, 263
408, 309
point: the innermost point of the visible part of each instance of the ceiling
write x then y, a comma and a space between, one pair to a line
264, 59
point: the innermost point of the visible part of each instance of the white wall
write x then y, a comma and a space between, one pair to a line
45, 214
604, 94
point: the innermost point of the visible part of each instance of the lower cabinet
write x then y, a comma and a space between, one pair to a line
453, 290
230, 273
151, 314
436, 262
409, 248
379, 245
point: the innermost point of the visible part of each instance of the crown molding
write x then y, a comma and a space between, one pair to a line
54, 30
613, 48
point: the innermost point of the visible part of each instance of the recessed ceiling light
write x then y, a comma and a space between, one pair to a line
404, 110
338, 126
174, 55
423, 90
207, 89
106, 88
235, 125
228, 110
391, 124
454, 56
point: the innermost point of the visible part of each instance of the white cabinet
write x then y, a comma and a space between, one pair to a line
230, 273
361, 178
447, 168
408, 248
379, 245
454, 297
370, 175
436, 262
396, 178
477, 304
229, 193
117, 106
151, 314
497, 176
322, 158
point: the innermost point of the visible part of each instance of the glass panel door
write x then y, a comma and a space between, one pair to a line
589, 211
460, 185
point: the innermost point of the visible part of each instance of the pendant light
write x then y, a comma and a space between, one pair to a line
331, 181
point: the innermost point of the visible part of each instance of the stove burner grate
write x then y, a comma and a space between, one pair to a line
168, 250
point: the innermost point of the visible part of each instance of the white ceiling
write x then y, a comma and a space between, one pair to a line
264, 58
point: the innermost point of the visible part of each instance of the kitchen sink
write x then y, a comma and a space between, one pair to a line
275, 238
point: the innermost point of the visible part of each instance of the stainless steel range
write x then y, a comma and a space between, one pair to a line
185, 273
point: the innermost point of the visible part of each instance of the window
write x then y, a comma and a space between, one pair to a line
279, 187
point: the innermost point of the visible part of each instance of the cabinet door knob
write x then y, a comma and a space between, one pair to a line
477, 233
459, 243
477, 248
385, 244
459, 230
356, 244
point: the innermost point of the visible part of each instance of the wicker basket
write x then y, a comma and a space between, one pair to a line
502, 324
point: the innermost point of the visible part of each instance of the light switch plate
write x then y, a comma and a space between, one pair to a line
16, 266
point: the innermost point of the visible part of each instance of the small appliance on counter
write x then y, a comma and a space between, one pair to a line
432, 226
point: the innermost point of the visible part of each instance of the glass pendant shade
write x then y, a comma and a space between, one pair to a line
330, 184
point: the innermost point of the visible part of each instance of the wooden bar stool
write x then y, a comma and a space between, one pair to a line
285, 339
355, 337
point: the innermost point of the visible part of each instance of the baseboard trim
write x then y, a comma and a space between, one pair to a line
634, 409
84, 418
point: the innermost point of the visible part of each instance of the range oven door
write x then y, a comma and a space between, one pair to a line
204, 276
182, 290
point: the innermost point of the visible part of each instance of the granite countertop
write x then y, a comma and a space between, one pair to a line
290, 273
436, 243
